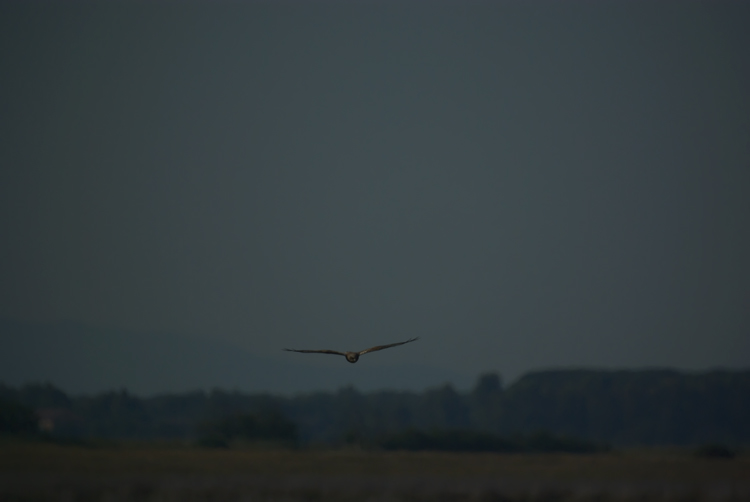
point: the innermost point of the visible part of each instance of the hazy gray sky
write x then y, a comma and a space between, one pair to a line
522, 185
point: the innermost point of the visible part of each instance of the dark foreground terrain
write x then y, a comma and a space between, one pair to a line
43, 471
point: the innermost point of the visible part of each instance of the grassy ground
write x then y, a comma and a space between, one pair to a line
43, 471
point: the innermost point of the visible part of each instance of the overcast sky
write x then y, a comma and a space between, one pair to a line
523, 185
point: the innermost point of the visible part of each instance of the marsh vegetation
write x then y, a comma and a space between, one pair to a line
160, 472
544, 439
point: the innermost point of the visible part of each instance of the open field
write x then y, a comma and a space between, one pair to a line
38, 471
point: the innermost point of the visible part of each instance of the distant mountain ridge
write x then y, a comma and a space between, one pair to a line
86, 360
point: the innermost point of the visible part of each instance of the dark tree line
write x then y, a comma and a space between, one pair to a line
248, 428
658, 407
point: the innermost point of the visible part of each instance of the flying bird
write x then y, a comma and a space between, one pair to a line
353, 357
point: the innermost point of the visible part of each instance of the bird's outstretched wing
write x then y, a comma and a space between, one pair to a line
381, 347
317, 351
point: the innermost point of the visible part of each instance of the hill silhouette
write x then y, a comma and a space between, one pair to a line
84, 359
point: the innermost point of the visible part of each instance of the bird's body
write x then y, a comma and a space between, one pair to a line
352, 357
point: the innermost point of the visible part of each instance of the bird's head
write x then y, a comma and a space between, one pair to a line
352, 357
